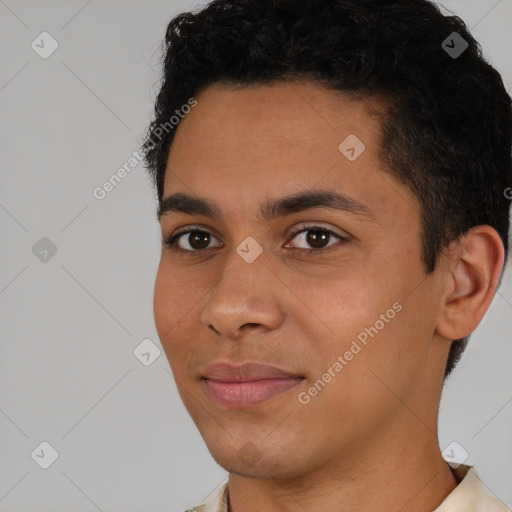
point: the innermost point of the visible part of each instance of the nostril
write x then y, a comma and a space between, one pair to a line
213, 329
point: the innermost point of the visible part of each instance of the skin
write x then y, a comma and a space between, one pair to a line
375, 422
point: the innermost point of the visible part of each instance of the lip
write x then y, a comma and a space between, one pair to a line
246, 385
247, 372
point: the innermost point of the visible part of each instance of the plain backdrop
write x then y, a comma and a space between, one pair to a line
77, 274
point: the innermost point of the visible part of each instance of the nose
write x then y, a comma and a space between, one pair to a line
245, 298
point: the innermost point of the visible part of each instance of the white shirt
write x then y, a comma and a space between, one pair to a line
469, 496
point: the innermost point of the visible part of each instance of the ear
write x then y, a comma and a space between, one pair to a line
473, 270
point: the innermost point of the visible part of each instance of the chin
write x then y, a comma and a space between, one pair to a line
251, 461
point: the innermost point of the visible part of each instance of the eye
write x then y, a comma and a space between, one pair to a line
317, 237
197, 240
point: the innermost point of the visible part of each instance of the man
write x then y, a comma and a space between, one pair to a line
333, 207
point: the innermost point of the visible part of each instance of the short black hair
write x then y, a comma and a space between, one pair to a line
447, 132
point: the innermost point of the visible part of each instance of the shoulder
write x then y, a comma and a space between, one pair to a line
470, 495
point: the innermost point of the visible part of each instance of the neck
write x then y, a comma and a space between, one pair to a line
399, 472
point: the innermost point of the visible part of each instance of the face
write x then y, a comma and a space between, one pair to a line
296, 330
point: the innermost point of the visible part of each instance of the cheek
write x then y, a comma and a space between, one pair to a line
345, 303
397, 345
177, 290
173, 299
177, 299
167, 321
366, 313
164, 304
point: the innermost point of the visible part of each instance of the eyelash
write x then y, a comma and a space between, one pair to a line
172, 240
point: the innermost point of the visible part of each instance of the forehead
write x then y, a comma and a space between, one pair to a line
303, 115
241, 145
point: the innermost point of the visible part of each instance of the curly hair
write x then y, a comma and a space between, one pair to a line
447, 132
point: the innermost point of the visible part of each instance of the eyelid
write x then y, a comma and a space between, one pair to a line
304, 226
191, 227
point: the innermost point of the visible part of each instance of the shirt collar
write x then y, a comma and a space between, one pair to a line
470, 495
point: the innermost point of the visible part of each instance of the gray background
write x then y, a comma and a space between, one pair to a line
68, 375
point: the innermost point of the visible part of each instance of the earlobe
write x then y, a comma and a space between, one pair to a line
471, 278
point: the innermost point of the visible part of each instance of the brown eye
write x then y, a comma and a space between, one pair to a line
316, 237
198, 239
192, 240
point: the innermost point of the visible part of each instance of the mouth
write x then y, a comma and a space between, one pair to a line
247, 385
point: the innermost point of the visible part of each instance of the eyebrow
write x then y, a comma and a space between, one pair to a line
271, 209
